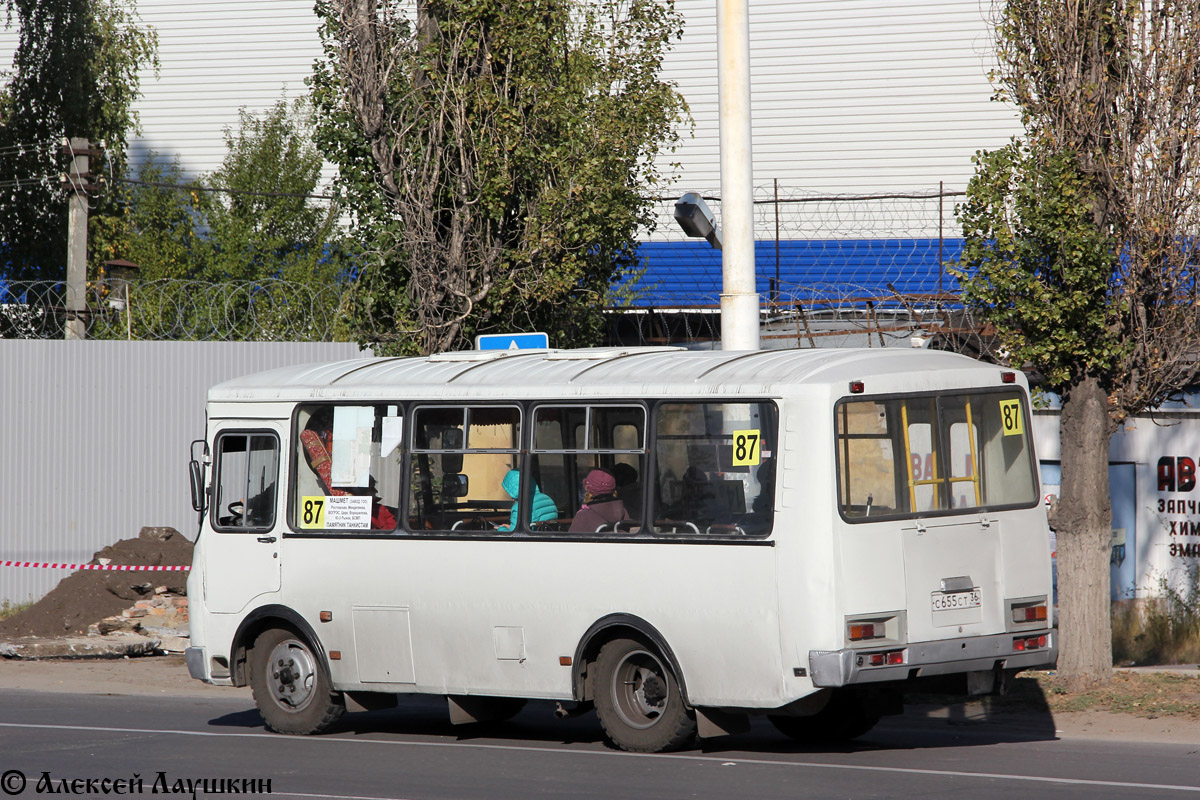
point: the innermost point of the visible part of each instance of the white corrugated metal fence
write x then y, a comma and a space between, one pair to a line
94, 441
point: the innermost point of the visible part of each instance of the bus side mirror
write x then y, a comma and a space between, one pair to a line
196, 474
455, 485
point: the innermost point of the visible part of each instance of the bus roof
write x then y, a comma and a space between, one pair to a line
615, 372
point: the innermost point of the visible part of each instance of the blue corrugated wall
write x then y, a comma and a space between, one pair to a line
689, 273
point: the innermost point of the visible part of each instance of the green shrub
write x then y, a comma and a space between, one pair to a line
10, 609
1161, 630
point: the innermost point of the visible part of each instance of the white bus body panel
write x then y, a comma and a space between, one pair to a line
494, 616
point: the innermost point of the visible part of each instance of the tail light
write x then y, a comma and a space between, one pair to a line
1031, 613
889, 658
1028, 612
870, 629
1023, 644
860, 631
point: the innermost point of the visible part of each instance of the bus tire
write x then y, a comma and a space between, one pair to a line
291, 687
846, 716
638, 699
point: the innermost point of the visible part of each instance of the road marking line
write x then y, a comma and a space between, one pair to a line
945, 773
333, 796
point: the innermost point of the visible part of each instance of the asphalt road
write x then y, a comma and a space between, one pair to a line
414, 753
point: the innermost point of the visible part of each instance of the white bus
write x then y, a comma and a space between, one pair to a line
799, 534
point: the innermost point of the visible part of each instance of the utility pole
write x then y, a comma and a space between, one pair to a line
739, 296
77, 184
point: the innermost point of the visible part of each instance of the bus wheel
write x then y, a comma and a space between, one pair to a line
847, 716
291, 689
638, 699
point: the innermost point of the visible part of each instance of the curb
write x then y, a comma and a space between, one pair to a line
127, 646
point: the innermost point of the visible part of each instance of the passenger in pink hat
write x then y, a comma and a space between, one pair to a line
601, 506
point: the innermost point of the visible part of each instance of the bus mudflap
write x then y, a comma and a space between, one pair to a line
194, 658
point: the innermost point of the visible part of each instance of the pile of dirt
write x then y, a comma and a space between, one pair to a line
89, 596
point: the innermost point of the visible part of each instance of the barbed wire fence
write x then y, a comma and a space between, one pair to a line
174, 309
864, 270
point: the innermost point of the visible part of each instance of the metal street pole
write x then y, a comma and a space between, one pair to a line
739, 298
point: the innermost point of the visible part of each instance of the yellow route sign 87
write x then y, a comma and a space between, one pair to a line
1011, 419
312, 511
747, 448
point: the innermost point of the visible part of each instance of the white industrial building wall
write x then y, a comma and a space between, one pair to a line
849, 96
95, 441
216, 57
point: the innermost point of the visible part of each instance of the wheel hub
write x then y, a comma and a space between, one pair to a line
640, 689
654, 691
292, 674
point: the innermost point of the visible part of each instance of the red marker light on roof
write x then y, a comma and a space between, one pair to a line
857, 387
1008, 377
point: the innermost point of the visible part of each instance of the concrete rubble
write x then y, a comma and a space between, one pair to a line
155, 625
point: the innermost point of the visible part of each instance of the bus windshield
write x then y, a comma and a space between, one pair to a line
933, 454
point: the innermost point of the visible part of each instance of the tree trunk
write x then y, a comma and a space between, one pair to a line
1082, 520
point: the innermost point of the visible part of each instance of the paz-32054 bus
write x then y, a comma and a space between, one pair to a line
798, 534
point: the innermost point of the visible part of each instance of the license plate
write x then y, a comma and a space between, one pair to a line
951, 601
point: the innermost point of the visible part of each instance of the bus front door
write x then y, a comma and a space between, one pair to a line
241, 539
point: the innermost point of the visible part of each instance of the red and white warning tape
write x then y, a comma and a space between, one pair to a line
104, 567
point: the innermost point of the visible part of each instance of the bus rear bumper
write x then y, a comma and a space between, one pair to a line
833, 668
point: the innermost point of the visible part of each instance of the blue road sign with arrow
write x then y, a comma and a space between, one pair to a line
512, 341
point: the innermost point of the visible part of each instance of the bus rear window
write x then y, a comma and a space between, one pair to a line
921, 455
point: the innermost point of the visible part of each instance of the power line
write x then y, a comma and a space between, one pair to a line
22, 147
31, 181
197, 188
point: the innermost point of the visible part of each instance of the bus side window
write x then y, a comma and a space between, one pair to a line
247, 471
462, 456
572, 441
348, 467
715, 470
